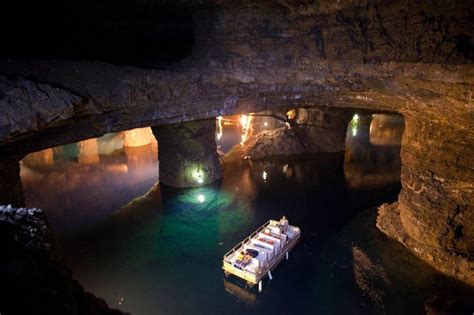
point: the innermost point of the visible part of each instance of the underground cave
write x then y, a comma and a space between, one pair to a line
141, 140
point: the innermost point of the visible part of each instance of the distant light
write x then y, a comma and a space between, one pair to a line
200, 180
285, 167
265, 124
219, 127
355, 117
245, 121
264, 176
201, 198
354, 131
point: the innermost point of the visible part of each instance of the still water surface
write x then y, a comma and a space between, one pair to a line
148, 249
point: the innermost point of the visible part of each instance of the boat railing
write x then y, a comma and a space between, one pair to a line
234, 249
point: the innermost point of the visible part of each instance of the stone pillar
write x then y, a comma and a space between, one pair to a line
11, 188
187, 153
434, 216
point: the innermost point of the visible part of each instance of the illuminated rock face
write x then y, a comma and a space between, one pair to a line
435, 212
317, 130
188, 155
88, 151
137, 137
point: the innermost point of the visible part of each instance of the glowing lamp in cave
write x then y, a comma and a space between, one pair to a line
245, 121
354, 124
219, 127
199, 176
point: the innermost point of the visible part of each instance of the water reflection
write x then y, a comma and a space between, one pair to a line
81, 184
386, 130
372, 155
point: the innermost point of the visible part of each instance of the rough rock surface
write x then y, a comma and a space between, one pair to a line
251, 56
412, 58
188, 155
318, 131
32, 281
435, 210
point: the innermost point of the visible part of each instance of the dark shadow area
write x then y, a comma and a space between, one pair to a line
122, 32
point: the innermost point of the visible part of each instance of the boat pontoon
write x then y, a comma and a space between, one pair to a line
257, 255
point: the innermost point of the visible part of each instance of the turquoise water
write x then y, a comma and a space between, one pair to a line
161, 252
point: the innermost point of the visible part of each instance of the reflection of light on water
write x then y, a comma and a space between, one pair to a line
264, 176
117, 168
219, 127
201, 198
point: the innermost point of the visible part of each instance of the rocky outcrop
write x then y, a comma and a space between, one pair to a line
32, 281
188, 155
435, 210
311, 131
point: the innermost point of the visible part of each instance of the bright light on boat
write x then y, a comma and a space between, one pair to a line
201, 198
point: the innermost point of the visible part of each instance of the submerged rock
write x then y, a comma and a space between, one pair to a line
33, 282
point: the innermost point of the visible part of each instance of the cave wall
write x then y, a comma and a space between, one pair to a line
435, 210
359, 31
247, 56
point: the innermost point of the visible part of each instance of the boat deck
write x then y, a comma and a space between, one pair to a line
255, 257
